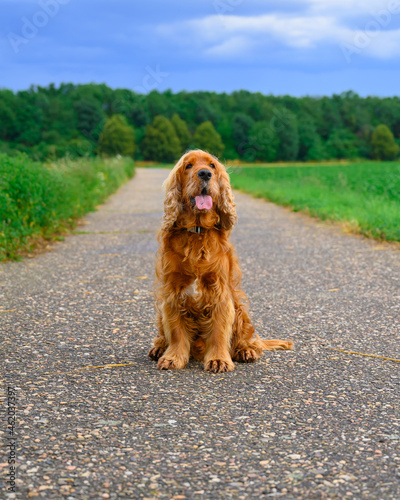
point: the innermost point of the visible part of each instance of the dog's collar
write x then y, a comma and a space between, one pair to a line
196, 229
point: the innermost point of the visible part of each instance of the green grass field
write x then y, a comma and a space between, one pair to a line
40, 201
365, 195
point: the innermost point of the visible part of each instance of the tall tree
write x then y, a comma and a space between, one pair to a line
29, 120
117, 137
181, 130
8, 123
90, 118
285, 124
308, 136
317, 151
160, 142
341, 144
241, 127
263, 143
383, 144
207, 138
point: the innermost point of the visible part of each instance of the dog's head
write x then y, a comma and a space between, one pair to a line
198, 192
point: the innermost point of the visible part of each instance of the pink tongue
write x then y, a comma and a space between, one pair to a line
203, 202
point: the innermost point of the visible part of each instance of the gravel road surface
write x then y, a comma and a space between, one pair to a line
311, 423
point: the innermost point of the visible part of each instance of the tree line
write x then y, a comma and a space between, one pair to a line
80, 120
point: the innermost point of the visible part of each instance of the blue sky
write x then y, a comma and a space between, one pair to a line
297, 47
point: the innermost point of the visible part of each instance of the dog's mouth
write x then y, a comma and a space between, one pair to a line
203, 201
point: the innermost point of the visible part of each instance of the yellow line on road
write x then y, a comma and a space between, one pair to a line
362, 354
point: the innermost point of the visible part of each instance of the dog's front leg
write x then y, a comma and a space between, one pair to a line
160, 342
217, 357
177, 331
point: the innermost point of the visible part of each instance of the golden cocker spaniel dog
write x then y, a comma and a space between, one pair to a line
201, 310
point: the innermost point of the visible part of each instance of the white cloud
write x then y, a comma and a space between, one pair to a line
351, 8
231, 48
380, 44
224, 37
294, 31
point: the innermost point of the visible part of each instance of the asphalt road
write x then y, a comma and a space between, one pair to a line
311, 423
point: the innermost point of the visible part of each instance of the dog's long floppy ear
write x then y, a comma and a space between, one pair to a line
173, 197
227, 211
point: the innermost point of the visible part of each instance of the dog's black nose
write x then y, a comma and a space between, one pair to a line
204, 174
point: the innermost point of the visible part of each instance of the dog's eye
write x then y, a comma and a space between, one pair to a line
212, 165
189, 165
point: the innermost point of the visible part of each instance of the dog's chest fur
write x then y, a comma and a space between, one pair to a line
202, 262
193, 290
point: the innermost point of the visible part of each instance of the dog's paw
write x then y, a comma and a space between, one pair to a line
165, 363
218, 366
155, 353
246, 356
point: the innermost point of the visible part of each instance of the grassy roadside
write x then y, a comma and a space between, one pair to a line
40, 201
365, 195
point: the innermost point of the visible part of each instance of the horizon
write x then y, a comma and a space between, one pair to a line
300, 48
36, 87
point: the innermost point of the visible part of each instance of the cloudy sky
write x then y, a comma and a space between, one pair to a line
298, 47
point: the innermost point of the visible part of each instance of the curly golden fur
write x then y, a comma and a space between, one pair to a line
201, 310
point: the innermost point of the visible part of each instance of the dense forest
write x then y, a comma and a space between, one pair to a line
79, 120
